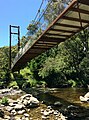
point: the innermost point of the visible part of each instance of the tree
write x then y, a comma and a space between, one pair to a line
4, 64
69, 64
55, 7
32, 28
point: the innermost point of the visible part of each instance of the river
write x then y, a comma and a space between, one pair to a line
71, 106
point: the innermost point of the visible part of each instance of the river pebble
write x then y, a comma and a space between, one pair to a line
26, 115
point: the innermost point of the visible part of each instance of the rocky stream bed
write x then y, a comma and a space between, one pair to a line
39, 105
22, 106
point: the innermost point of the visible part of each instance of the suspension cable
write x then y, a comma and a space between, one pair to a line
39, 10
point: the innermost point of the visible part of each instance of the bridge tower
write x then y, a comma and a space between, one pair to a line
17, 32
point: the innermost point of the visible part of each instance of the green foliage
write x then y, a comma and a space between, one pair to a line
13, 83
66, 64
54, 9
4, 101
3, 61
72, 83
5, 74
32, 27
28, 76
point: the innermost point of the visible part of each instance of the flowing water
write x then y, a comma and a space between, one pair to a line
71, 104
66, 95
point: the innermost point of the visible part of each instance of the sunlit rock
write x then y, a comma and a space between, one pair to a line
13, 112
87, 95
19, 106
9, 108
84, 99
26, 115
21, 112
58, 104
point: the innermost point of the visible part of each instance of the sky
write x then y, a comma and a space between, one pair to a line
19, 13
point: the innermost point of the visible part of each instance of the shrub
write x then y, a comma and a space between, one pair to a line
13, 83
4, 101
72, 83
32, 82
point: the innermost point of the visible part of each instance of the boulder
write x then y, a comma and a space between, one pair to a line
25, 96
29, 101
33, 102
87, 95
84, 99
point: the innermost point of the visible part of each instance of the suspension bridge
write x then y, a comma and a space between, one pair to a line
71, 21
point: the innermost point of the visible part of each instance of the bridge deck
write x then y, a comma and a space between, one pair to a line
71, 21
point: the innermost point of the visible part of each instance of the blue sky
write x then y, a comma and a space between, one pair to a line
16, 12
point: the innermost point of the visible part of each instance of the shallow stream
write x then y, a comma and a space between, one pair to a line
71, 107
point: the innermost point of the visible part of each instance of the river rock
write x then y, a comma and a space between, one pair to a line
25, 97
21, 112
17, 118
34, 102
44, 117
25, 102
46, 113
26, 115
87, 95
16, 87
49, 107
3, 91
9, 108
10, 91
19, 106
29, 101
72, 107
63, 117
58, 104
7, 117
84, 99
56, 112
12, 104
13, 112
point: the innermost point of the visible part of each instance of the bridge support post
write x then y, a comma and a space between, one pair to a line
16, 33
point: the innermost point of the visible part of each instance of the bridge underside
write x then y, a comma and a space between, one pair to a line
71, 21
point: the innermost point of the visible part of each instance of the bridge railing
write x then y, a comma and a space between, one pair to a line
42, 26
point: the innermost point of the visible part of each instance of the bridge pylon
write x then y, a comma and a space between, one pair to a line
17, 32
